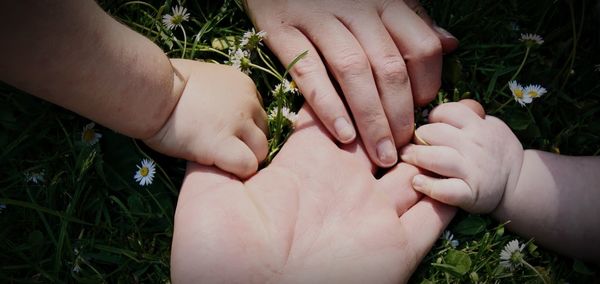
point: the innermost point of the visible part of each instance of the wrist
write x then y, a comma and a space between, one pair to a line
512, 183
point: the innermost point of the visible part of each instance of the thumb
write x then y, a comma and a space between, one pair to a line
452, 191
474, 106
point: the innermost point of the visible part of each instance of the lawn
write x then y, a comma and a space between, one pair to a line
71, 211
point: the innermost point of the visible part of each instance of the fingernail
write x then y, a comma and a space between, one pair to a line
386, 152
444, 32
418, 182
344, 130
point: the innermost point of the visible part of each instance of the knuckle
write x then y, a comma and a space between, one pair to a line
351, 64
393, 70
321, 101
429, 46
370, 116
306, 67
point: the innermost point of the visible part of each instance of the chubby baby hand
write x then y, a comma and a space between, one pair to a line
477, 156
218, 120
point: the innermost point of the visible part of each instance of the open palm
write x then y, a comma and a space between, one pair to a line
315, 214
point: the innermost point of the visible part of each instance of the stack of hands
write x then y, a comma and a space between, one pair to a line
316, 214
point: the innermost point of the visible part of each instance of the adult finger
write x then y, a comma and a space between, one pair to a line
236, 157
422, 225
351, 68
452, 191
456, 114
420, 47
256, 140
390, 73
441, 160
448, 41
396, 185
313, 81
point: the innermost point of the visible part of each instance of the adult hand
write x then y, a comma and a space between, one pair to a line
316, 214
382, 53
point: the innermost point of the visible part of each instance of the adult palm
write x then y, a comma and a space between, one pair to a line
315, 214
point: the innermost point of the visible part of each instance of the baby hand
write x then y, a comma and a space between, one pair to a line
480, 156
218, 120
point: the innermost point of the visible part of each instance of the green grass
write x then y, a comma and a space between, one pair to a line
89, 212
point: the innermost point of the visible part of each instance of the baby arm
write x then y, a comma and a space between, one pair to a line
549, 197
73, 54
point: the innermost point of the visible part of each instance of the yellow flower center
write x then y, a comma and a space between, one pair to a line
533, 94
144, 171
88, 135
518, 93
177, 19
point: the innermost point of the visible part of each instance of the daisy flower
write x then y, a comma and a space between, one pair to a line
531, 39
534, 91
89, 135
597, 67
511, 256
519, 93
36, 178
145, 172
285, 112
2, 207
285, 87
179, 16
252, 39
238, 58
449, 237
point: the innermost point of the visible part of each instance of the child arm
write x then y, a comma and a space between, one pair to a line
549, 197
75, 55
556, 202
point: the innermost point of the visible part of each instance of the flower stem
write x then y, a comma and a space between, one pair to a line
265, 70
512, 78
524, 262
184, 41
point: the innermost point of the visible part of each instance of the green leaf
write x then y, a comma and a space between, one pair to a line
459, 260
456, 263
470, 226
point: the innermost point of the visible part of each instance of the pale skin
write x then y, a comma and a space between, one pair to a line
551, 198
73, 54
316, 214
385, 55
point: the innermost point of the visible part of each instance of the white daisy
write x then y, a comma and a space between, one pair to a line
179, 16
534, 91
89, 135
252, 39
597, 67
36, 178
531, 39
449, 237
285, 87
511, 256
238, 58
2, 207
285, 112
518, 93
145, 172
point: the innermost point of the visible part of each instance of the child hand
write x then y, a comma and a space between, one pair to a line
218, 120
480, 156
